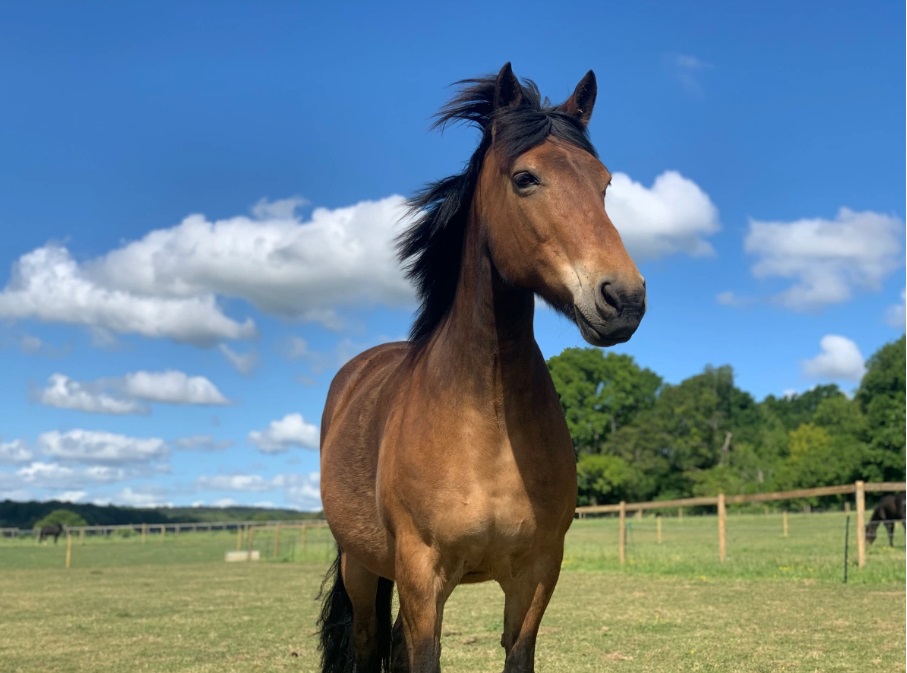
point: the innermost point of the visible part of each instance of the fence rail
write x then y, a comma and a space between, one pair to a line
858, 489
163, 528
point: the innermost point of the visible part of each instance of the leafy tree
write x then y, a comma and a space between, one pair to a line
882, 398
600, 393
794, 410
63, 516
602, 478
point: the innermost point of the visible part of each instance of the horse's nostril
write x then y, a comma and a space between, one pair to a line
609, 294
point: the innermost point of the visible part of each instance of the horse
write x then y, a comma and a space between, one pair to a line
890, 510
53, 529
446, 459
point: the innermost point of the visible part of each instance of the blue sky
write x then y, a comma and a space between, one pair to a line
198, 200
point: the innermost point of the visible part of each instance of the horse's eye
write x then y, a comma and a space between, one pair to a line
525, 180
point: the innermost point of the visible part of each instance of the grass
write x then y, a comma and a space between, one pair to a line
173, 605
756, 548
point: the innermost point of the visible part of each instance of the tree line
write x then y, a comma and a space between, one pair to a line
638, 438
31, 514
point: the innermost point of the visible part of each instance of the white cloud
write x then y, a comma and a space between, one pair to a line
318, 361
291, 430
274, 260
896, 315
131, 498
281, 209
88, 446
203, 443
302, 490
298, 348
172, 387
120, 395
244, 364
235, 482
65, 393
687, 69
14, 452
840, 359
673, 216
48, 284
30, 344
71, 496
827, 260
55, 475
176, 283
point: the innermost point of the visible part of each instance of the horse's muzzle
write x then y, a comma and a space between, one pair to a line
615, 312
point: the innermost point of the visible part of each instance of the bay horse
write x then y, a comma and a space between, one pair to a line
445, 459
889, 511
54, 530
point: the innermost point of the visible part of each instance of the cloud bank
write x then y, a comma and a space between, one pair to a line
183, 283
125, 395
826, 261
290, 431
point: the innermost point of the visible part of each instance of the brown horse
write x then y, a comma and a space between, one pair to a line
446, 459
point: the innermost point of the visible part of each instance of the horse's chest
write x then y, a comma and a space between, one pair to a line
481, 492
495, 509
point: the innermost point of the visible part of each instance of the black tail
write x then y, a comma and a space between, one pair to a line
336, 623
383, 612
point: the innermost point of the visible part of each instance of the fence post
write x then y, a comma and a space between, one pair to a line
68, 549
622, 533
861, 524
784, 522
722, 524
658, 527
144, 532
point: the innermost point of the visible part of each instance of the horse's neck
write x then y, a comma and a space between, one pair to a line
486, 345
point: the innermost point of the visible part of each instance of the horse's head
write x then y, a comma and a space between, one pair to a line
541, 197
870, 530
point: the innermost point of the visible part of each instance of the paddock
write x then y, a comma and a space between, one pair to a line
173, 604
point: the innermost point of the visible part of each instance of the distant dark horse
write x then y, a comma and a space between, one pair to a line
54, 529
889, 511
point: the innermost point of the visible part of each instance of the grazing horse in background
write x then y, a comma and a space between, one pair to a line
54, 529
446, 459
889, 511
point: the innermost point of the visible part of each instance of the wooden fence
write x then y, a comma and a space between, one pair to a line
721, 501
165, 528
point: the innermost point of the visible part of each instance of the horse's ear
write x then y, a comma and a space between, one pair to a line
507, 89
582, 101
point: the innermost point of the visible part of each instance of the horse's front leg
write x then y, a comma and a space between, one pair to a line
525, 598
423, 587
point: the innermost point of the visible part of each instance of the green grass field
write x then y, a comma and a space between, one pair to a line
173, 604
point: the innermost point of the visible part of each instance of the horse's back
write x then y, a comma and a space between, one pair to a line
372, 366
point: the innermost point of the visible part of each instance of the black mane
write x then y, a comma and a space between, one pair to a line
431, 249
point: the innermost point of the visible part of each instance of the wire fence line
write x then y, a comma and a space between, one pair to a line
680, 536
721, 501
